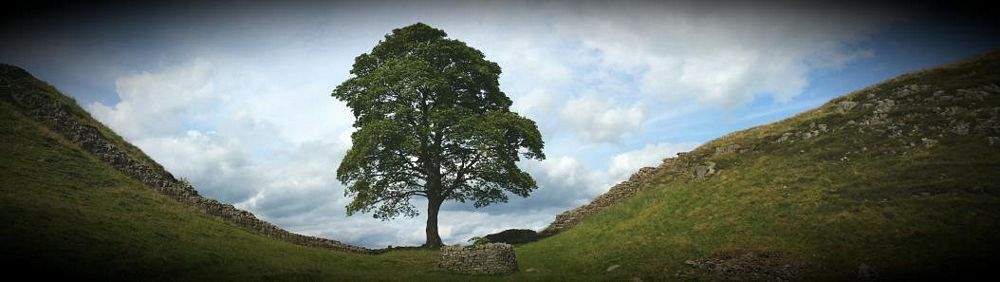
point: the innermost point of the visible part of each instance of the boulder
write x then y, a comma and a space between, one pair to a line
846, 106
513, 236
702, 171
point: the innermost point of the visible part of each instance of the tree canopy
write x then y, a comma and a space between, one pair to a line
431, 122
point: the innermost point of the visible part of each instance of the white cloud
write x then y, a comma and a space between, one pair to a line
566, 180
541, 63
229, 144
600, 120
219, 166
158, 103
205, 122
626, 163
722, 54
253, 123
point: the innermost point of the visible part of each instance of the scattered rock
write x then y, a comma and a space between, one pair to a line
845, 106
875, 119
612, 268
785, 136
726, 149
928, 142
895, 131
866, 273
747, 265
979, 93
906, 90
814, 130
953, 111
960, 128
884, 106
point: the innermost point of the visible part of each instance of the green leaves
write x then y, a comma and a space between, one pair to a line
431, 122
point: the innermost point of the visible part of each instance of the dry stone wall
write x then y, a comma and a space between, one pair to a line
617, 193
684, 165
23, 91
946, 113
687, 165
492, 258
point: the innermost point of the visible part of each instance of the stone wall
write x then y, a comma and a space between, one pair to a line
914, 115
687, 165
26, 93
617, 193
492, 258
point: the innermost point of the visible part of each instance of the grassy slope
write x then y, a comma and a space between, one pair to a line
889, 206
902, 210
70, 105
66, 212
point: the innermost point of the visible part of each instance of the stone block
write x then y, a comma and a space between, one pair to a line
492, 258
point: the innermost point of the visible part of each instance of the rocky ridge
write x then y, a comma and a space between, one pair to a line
41, 103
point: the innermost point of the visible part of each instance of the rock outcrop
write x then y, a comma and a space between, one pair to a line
43, 104
491, 258
513, 236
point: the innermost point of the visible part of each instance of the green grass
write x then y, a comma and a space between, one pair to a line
69, 104
904, 210
65, 209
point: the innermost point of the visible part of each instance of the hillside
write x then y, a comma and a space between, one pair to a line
78, 200
44, 104
896, 180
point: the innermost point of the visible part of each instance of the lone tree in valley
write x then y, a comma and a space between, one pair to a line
431, 122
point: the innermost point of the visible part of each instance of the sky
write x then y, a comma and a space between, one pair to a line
235, 96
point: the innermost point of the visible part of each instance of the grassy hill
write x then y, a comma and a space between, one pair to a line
896, 180
66, 212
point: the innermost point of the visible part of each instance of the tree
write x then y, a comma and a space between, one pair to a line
431, 122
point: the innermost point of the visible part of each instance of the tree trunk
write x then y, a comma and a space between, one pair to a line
433, 239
